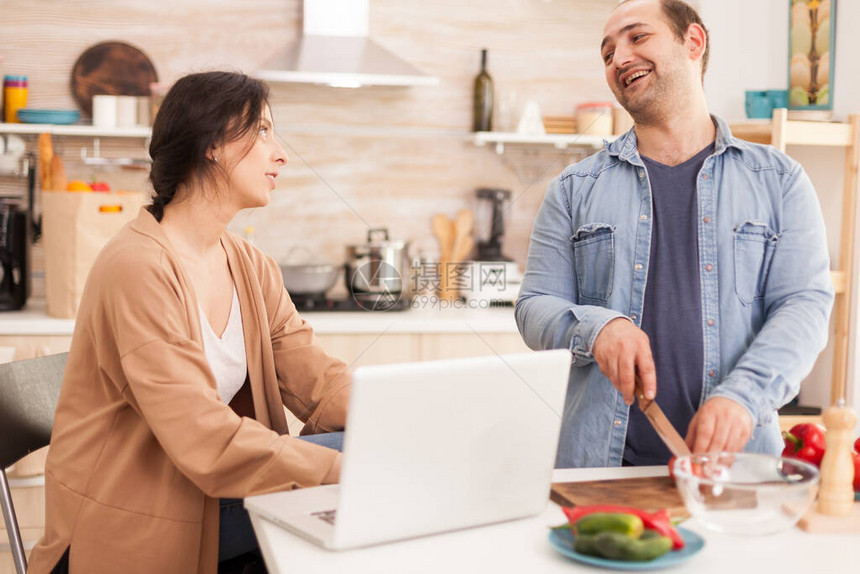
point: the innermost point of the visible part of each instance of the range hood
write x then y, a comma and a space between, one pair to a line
335, 50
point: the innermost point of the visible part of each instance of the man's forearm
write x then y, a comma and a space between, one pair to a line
549, 322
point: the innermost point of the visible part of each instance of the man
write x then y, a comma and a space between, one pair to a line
679, 252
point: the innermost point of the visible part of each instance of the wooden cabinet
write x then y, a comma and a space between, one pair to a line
782, 132
459, 345
371, 349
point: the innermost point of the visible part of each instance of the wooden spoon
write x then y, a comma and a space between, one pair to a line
465, 220
462, 250
443, 229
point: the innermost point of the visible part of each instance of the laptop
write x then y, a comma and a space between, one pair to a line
435, 446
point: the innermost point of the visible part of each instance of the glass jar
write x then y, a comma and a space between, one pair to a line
594, 118
14, 96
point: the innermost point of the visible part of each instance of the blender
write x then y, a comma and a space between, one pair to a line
490, 223
496, 278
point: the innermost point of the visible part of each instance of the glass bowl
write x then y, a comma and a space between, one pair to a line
739, 493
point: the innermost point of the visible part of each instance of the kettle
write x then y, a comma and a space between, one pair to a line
380, 266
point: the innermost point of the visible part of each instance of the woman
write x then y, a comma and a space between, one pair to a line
185, 351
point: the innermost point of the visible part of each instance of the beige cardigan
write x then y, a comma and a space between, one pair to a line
142, 446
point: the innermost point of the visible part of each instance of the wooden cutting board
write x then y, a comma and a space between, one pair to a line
111, 68
650, 493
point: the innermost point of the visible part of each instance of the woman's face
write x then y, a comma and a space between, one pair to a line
252, 174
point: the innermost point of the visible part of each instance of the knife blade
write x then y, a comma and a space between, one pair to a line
661, 424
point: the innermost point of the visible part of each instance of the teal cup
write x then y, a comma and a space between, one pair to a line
758, 104
778, 98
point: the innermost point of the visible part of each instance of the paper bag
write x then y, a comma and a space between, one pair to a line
75, 227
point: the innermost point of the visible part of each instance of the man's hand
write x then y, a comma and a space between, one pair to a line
620, 349
720, 425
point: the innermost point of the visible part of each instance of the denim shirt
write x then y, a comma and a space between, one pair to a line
763, 267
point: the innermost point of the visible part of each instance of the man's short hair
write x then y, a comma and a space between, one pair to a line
680, 15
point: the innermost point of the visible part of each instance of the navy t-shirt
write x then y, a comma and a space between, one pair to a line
672, 311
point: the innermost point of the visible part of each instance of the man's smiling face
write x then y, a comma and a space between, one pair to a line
646, 66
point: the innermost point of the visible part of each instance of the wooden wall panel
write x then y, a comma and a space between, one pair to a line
371, 156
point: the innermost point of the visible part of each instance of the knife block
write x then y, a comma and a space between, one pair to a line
836, 511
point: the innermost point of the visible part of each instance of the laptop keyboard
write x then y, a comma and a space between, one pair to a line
326, 515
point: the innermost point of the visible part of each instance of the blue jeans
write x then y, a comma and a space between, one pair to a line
236, 536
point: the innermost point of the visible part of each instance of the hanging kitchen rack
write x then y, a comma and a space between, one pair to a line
20, 169
97, 160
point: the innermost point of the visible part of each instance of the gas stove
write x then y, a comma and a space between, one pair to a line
359, 302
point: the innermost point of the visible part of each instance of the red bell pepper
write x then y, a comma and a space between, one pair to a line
856, 457
804, 442
658, 521
857, 445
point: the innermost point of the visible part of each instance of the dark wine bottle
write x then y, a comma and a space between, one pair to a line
482, 106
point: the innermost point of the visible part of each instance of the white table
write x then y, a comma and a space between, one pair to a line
522, 546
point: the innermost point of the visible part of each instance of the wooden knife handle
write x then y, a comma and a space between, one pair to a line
662, 425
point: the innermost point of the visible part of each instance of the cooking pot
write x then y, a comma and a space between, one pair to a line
378, 266
307, 275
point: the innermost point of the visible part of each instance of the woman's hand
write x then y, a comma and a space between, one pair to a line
333, 474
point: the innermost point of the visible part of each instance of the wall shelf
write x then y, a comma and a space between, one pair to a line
76, 130
780, 132
794, 132
559, 141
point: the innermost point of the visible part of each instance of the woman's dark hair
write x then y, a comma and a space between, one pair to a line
201, 111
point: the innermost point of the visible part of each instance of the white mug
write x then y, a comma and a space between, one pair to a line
104, 111
126, 111
144, 111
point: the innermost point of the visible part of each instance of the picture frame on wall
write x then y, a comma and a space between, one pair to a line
811, 54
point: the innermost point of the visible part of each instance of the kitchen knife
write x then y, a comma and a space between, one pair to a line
661, 424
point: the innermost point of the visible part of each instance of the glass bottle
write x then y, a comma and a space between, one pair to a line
482, 108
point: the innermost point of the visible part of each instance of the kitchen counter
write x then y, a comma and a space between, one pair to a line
34, 320
522, 546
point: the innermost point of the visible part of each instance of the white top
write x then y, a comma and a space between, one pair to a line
226, 354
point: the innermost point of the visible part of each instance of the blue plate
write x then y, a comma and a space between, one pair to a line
562, 541
63, 117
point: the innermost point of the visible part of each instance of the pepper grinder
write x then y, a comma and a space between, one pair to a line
836, 495
836, 511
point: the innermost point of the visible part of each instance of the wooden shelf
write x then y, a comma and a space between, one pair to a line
796, 132
838, 278
781, 132
560, 141
76, 130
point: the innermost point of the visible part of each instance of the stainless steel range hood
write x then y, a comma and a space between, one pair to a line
335, 51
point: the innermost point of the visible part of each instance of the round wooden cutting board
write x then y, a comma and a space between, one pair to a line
112, 68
